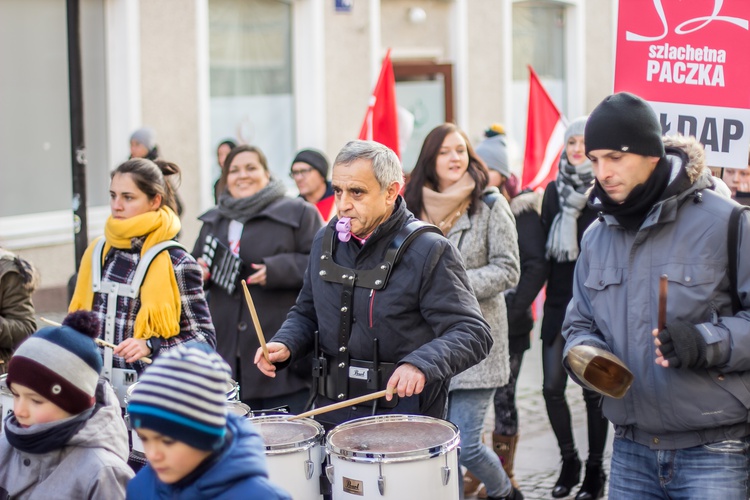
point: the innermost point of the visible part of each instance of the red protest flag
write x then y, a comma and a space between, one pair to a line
381, 120
545, 134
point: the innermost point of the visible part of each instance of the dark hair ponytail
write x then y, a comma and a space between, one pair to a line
153, 177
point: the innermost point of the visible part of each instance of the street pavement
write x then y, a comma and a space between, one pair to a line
537, 462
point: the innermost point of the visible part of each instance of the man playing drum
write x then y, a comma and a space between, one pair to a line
385, 304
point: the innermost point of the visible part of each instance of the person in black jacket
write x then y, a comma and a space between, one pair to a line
270, 235
565, 216
416, 319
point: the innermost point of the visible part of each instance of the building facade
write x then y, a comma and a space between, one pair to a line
280, 74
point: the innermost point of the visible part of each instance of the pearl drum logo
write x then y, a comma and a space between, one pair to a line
353, 487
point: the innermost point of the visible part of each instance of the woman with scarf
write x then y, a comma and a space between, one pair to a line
565, 216
169, 306
271, 235
448, 188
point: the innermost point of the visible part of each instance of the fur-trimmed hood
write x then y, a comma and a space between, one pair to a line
525, 202
696, 165
29, 274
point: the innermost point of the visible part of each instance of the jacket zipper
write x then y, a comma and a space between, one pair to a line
372, 301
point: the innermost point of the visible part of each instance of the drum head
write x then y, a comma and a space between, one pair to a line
393, 438
282, 435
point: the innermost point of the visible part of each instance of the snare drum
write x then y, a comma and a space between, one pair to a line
394, 457
6, 399
294, 453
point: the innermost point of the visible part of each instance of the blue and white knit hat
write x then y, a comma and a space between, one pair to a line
61, 363
183, 395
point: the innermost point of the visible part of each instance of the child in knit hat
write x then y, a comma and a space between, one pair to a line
66, 437
194, 448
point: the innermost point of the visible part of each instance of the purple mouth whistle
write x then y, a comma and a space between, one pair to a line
344, 228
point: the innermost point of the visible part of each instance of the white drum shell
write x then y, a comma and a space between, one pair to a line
420, 473
287, 465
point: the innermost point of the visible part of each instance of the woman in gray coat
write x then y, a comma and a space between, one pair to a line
448, 187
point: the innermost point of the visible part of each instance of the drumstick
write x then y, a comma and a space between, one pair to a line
662, 320
100, 342
256, 322
342, 404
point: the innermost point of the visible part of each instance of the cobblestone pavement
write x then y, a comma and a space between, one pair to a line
538, 458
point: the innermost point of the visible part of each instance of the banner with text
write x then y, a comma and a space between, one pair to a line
689, 60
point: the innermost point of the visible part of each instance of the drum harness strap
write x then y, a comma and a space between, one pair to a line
114, 290
373, 279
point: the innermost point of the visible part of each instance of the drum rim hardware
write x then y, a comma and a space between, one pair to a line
366, 456
290, 447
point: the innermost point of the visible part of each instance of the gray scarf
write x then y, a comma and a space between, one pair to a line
244, 209
573, 185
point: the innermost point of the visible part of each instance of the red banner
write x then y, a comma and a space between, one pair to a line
689, 60
689, 52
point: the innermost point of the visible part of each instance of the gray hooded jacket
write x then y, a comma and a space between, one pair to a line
615, 306
93, 464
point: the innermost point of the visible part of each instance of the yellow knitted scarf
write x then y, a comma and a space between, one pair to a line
159, 315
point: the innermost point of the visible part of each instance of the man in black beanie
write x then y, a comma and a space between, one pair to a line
681, 431
310, 172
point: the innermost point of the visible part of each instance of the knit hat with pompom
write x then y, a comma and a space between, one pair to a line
61, 363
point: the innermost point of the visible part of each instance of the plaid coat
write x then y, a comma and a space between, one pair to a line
195, 318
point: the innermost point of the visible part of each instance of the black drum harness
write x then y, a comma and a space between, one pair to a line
336, 376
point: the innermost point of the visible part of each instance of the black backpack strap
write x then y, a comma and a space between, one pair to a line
732, 246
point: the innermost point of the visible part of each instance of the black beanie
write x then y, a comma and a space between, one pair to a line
624, 122
315, 159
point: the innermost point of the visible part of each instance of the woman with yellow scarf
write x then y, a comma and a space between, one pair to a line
142, 314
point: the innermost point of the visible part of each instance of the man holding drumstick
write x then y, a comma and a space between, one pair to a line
385, 304
682, 429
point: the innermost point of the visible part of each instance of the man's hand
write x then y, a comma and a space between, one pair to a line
680, 345
277, 353
132, 350
406, 381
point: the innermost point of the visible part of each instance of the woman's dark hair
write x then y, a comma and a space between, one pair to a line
234, 152
425, 174
227, 142
151, 178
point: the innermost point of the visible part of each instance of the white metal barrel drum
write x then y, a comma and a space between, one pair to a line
294, 453
6, 399
394, 457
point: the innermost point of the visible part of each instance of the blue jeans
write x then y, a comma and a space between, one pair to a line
716, 470
466, 409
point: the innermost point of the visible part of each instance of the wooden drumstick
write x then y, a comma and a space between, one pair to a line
342, 404
256, 321
98, 341
662, 319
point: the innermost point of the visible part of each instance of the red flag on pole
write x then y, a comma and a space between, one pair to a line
381, 120
545, 134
